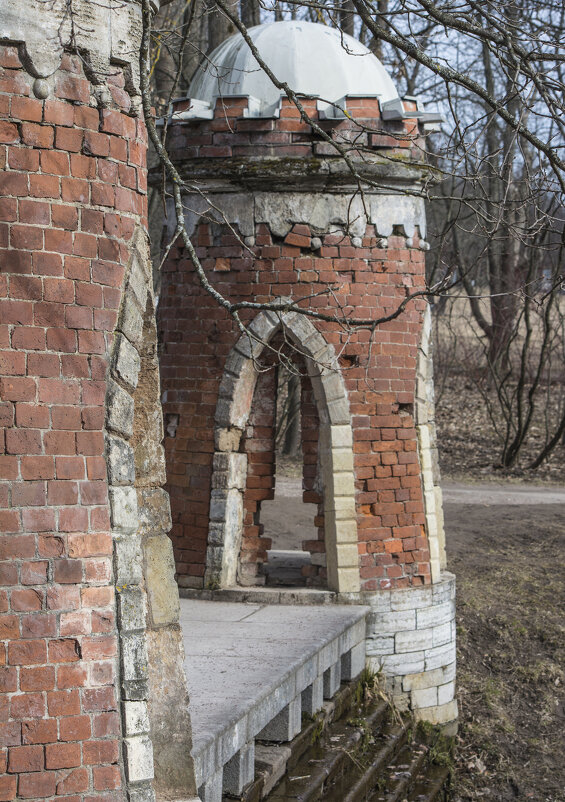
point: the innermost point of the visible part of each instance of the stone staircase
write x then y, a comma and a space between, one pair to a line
352, 751
283, 710
255, 672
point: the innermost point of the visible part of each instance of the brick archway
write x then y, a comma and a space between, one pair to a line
335, 447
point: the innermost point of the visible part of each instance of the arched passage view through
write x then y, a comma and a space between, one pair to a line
244, 460
290, 518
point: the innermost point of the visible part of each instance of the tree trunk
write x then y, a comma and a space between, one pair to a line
347, 17
376, 44
291, 445
250, 15
219, 26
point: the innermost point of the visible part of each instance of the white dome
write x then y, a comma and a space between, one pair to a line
312, 58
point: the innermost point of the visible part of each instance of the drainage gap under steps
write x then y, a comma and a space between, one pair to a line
354, 750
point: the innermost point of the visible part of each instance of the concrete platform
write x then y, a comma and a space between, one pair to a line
252, 670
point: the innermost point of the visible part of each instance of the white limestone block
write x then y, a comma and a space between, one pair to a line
139, 758
436, 615
424, 697
136, 718
123, 509
413, 641
445, 693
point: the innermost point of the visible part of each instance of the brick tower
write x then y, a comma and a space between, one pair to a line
323, 214
93, 693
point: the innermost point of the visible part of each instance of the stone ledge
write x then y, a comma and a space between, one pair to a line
248, 666
262, 595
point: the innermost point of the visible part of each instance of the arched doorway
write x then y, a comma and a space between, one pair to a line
335, 449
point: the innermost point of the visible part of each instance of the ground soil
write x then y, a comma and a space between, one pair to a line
511, 649
509, 559
506, 544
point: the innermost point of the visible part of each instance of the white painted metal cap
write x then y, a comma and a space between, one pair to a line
313, 59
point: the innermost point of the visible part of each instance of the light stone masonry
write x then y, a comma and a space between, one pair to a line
332, 680
119, 410
136, 718
427, 450
239, 770
123, 509
126, 362
229, 468
291, 675
139, 753
411, 638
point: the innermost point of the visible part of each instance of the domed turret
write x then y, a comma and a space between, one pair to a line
312, 58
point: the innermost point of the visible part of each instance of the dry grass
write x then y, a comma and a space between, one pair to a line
511, 651
511, 589
471, 426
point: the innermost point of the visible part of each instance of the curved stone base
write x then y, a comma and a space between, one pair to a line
411, 639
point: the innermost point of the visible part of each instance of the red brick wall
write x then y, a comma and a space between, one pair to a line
197, 335
259, 445
72, 191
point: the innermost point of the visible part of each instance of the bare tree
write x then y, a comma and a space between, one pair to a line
497, 70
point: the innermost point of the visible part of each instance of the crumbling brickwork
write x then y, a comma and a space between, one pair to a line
283, 219
286, 248
312, 483
78, 492
259, 445
390, 507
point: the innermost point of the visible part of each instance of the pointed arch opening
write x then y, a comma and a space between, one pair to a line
334, 449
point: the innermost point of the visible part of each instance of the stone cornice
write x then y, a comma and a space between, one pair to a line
104, 32
302, 174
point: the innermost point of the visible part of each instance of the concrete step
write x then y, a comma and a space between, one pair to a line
398, 768
400, 775
369, 765
431, 786
273, 761
284, 568
252, 671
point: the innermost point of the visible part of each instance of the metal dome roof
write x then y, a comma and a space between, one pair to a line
313, 59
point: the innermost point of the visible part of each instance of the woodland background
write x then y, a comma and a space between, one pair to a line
496, 277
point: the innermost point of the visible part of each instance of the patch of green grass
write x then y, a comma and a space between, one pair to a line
440, 747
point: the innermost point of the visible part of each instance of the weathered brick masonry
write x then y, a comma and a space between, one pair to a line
73, 185
80, 500
276, 214
369, 276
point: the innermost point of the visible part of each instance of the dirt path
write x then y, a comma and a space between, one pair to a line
504, 494
288, 521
